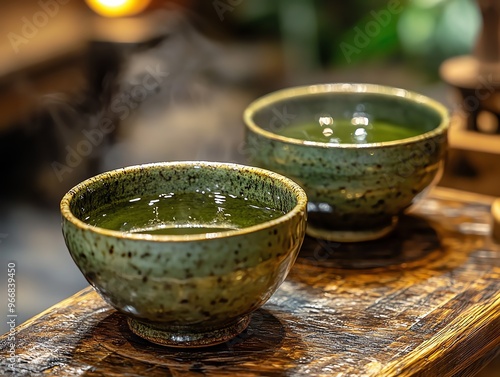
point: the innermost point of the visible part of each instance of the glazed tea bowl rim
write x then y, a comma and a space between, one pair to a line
344, 88
298, 192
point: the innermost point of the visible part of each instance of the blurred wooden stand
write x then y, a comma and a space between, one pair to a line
477, 76
475, 130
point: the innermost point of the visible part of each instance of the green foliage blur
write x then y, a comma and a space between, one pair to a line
419, 33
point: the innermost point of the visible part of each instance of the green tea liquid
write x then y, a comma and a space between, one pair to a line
187, 213
355, 131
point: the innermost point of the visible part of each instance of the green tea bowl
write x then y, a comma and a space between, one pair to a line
185, 250
363, 153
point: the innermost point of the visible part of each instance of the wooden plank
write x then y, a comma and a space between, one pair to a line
495, 212
422, 302
450, 194
461, 138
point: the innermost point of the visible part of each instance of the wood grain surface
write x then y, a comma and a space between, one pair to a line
423, 302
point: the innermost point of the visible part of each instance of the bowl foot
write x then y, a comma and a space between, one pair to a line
187, 336
352, 235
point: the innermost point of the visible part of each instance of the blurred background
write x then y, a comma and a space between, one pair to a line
88, 86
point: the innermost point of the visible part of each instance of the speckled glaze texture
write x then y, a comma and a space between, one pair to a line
188, 290
355, 191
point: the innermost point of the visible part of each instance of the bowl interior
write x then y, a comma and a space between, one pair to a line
183, 198
345, 114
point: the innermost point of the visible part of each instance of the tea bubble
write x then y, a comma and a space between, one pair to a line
360, 135
325, 121
360, 121
328, 132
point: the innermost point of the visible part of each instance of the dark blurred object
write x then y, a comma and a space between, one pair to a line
488, 45
52, 105
44, 131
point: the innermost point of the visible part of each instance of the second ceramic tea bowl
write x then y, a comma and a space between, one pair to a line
187, 290
356, 188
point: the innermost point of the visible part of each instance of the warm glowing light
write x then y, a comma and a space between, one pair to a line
117, 8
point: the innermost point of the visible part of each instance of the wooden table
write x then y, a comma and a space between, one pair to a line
422, 302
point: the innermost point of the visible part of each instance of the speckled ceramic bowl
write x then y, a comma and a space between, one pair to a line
187, 290
356, 189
